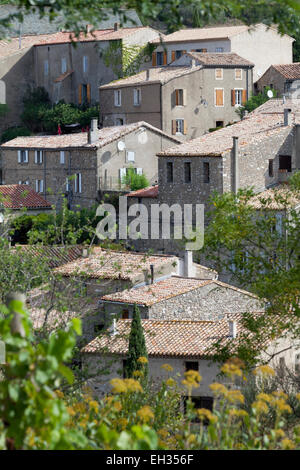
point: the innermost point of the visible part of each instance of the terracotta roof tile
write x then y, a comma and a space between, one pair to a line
220, 58
289, 71
18, 196
175, 338
278, 198
151, 191
125, 265
63, 76
200, 34
55, 255
80, 139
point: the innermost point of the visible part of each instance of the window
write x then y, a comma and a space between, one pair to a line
206, 171
137, 96
179, 97
22, 156
39, 186
84, 94
85, 63
219, 97
178, 54
219, 74
238, 74
187, 172
24, 182
201, 50
285, 162
297, 363
38, 156
200, 402
271, 169
219, 49
159, 58
130, 155
99, 327
191, 365
179, 126
238, 97
169, 172
63, 65
118, 98
119, 122
78, 183
125, 314
46, 67
62, 157
219, 123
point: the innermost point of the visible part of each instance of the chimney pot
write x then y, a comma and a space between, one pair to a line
188, 264
93, 134
287, 116
116, 26
148, 74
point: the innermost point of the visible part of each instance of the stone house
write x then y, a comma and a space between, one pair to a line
197, 92
97, 161
260, 44
285, 79
182, 344
17, 198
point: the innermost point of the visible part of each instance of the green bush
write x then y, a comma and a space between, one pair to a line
135, 181
14, 132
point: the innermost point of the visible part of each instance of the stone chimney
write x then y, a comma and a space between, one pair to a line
89, 28
287, 117
93, 134
188, 264
116, 26
193, 63
232, 328
235, 165
148, 74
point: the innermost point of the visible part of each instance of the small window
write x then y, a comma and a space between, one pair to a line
22, 156
85, 63
187, 172
99, 327
200, 402
219, 123
178, 54
78, 183
130, 155
238, 74
179, 97
137, 96
206, 172
39, 186
46, 68
119, 122
285, 162
169, 172
125, 314
159, 58
62, 157
118, 98
271, 169
219, 74
179, 126
219, 49
238, 97
201, 50
63, 65
191, 365
38, 156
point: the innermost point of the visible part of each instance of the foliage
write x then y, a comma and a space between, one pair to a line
137, 351
35, 102
254, 101
4, 109
14, 132
135, 181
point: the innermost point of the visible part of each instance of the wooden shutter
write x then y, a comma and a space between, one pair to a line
232, 97
79, 95
173, 126
35, 156
204, 50
88, 93
42, 186
154, 59
184, 127
219, 98
26, 156
244, 96
19, 156
165, 59
176, 97
173, 55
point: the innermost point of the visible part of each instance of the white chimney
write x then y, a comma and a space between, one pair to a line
232, 328
188, 264
85, 253
113, 328
93, 134
193, 63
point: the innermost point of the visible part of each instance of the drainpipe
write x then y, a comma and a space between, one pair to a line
235, 165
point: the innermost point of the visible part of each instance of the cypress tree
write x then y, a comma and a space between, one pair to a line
137, 347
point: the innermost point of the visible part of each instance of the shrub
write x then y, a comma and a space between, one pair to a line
14, 132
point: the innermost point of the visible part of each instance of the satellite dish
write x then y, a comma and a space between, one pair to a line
270, 94
121, 145
259, 73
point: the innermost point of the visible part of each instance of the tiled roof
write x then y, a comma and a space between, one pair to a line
201, 34
63, 76
220, 58
18, 196
157, 75
277, 105
152, 191
125, 265
162, 290
55, 255
278, 198
175, 338
289, 71
80, 139
254, 128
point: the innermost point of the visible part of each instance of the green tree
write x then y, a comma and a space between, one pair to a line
135, 181
255, 101
137, 347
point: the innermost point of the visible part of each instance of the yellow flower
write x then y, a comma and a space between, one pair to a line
118, 386
237, 413
94, 405
122, 422
117, 406
281, 405
260, 406
218, 389
279, 433
137, 373
145, 414
170, 382
204, 414
298, 396
264, 397
167, 367
192, 379
231, 369
79, 407
59, 394
264, 371
235, 395
142, 360
109, 399
163, 433
280, 394
191, 439
71, 411
287, 444
133, 385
